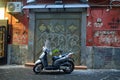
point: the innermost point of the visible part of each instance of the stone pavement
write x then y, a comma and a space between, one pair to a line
20, 72
11, 66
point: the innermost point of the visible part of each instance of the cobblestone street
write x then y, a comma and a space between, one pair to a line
25, 73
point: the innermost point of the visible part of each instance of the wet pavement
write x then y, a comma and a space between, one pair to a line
15, 72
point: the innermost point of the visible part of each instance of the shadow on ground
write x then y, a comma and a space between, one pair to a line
51, 73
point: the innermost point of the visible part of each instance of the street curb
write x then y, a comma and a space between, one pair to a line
76, 67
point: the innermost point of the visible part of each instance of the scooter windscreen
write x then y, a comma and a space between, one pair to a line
47, 47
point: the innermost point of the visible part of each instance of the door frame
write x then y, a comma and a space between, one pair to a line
31, 43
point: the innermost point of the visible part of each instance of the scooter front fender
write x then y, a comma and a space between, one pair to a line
38, 61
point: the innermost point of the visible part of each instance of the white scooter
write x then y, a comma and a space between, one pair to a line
62, 62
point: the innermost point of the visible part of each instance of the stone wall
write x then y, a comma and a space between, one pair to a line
17, 54
103, 57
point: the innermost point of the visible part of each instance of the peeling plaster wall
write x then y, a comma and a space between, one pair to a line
103, 27
103, 38
17, 51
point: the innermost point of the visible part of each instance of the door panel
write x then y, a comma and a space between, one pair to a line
3, 41
63, 32
2, 45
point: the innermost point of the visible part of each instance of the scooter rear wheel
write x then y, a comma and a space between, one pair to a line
70, 68
38, 68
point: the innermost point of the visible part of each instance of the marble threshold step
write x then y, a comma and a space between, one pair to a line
76, 67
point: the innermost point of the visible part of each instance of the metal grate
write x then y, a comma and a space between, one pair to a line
2, 41
114, 2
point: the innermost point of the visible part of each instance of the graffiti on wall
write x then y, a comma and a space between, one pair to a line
114, 23
103, 28
110, 38
20, 36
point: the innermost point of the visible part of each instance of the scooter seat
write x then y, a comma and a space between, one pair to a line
54, 58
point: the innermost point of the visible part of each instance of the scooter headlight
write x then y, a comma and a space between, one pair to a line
44, 49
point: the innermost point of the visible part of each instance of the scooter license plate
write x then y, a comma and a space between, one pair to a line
62, 67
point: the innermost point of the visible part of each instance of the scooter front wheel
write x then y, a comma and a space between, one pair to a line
38, 68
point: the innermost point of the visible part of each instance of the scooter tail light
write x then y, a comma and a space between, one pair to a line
70, 55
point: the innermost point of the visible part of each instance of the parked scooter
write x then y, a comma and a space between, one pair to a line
62, 62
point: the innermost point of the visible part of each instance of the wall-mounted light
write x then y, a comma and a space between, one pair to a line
114, 3
58, 1
84, 1
30, 1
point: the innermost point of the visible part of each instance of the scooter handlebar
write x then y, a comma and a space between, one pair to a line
45, 49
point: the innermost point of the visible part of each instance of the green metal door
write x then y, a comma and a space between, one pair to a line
64, 30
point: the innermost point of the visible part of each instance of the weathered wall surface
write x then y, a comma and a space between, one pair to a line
17, 54
18, 31
103, 38
103, 27
103, 57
